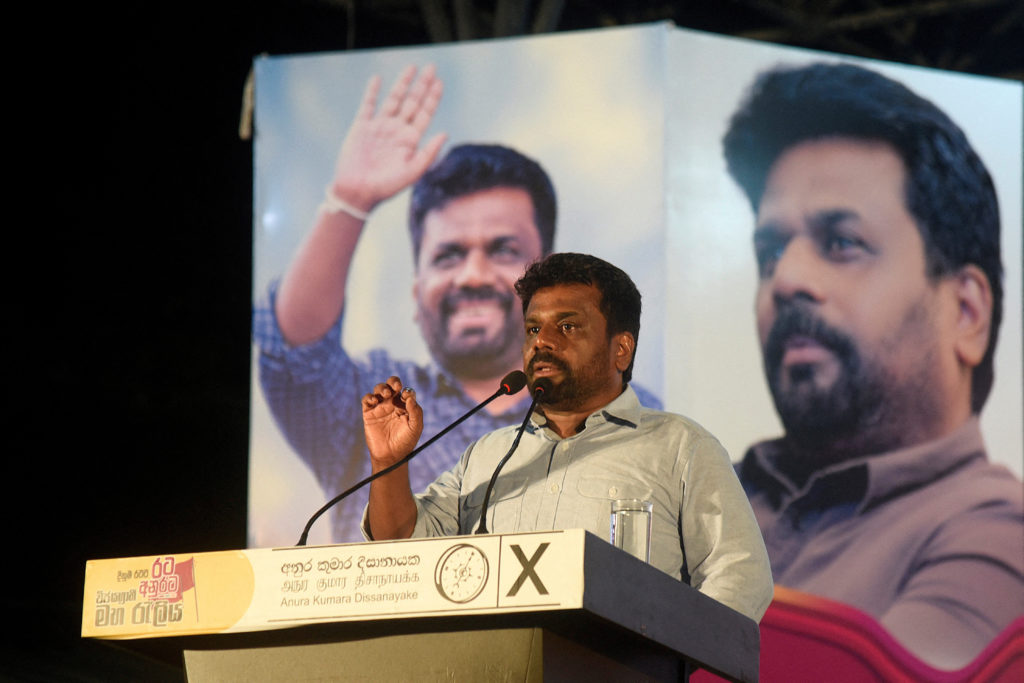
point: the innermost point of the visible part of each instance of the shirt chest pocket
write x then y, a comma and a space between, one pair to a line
504, 509
595, 496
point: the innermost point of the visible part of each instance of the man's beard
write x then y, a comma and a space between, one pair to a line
841, 415
576, 386
473, 353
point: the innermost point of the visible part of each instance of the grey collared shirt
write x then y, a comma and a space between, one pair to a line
703, 529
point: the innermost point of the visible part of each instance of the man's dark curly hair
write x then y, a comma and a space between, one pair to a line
473, 168
620, 299
948, 191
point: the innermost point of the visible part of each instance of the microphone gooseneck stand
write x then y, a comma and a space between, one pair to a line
511, 383
538, 391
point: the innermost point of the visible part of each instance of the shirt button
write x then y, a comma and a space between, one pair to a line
613, 491
554, 488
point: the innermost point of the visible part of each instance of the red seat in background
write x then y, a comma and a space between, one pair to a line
808, 638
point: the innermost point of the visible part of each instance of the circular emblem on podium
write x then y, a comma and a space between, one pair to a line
461, 573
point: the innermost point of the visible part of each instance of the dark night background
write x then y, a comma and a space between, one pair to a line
129, 269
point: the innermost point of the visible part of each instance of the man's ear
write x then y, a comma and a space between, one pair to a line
624, 345
974, 319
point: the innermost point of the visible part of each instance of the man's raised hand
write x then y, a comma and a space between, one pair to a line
392, 421
382, 153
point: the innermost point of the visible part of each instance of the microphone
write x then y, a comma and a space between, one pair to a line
539, 387
512, 383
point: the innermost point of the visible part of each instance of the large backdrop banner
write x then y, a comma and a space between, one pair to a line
614, 141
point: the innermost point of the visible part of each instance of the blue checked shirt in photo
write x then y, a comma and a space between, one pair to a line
314, 393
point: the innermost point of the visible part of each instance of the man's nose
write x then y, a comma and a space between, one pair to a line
546, 338
799, 272
475, 270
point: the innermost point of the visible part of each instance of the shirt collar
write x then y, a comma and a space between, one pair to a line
881, 475
921, 464
624, 410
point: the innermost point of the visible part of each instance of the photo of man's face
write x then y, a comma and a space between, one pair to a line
474, 249
847, 319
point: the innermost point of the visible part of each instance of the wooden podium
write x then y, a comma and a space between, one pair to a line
557, 605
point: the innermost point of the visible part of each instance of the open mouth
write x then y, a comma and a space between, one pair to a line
476, 313
471, 311
545, 366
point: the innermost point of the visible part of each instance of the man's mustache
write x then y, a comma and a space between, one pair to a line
462, 295
796, 320
546, 357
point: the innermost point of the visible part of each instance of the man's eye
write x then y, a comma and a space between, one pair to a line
532, 330
841, 246
505, 253
446, 259
768, 256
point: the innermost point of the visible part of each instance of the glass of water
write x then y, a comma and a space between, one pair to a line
631, 527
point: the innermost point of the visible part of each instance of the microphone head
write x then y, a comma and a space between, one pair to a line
513, 382
541, 386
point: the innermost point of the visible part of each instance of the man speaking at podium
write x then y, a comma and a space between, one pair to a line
588, 442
